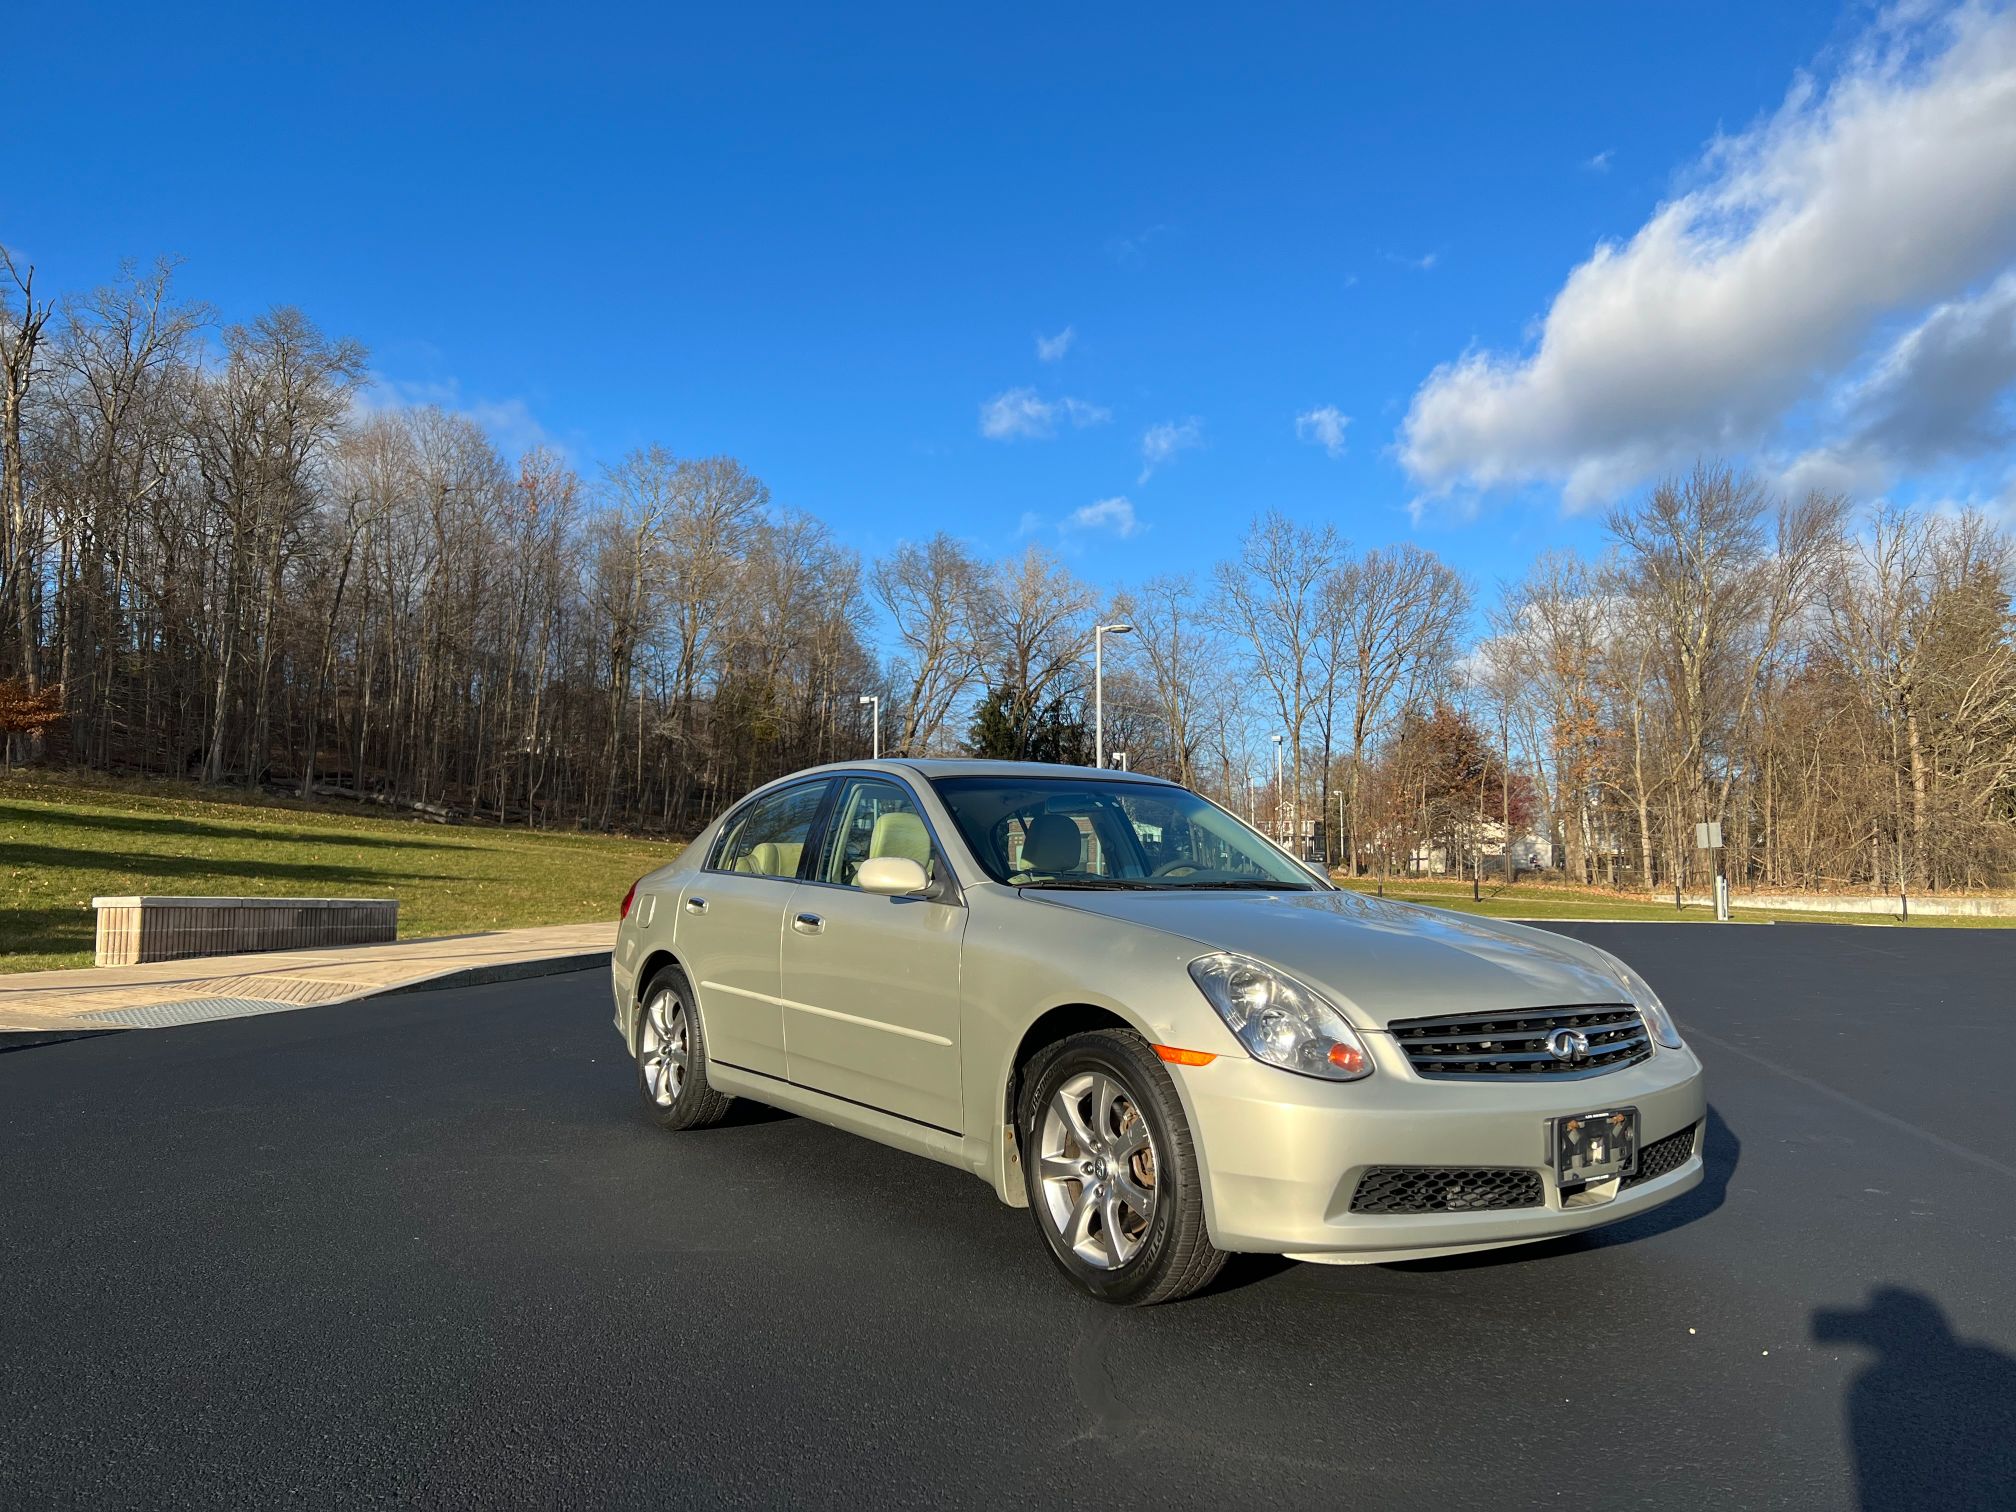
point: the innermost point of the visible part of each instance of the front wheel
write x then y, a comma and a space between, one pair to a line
1111, 1172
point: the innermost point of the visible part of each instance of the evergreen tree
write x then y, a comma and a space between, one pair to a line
1009, 727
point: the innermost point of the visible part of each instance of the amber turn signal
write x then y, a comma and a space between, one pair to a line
1347, 1058
1185, 1057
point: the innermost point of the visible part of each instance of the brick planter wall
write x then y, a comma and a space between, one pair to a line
135, 930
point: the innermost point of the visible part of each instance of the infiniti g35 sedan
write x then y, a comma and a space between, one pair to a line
1131, 1013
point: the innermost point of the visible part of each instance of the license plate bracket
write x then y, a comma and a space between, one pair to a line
1597, 1146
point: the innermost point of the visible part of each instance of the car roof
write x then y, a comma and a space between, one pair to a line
930, 767
945, 766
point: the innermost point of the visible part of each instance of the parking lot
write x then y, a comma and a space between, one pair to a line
430, 1249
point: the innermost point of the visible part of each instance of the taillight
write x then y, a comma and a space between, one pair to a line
628, 898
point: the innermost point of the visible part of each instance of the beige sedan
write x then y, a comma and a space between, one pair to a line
1126, 1010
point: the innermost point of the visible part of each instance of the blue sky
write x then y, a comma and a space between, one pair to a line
826, 240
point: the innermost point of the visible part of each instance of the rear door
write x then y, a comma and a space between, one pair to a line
871, 984
731, 925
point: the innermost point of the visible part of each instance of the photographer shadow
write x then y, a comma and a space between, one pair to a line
1932, 1419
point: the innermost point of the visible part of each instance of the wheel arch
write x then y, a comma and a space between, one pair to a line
654, 962
1046, 1029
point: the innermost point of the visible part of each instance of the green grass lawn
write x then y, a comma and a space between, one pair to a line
1537, 900
64, 842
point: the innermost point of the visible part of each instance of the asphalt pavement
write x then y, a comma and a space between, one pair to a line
428, 1250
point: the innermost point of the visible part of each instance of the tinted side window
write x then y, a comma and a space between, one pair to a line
872, 818
770, 838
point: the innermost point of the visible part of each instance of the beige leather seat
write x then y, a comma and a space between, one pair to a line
900, 834
1053, 845
772, 859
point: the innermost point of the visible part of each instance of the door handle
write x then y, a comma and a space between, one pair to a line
696, 905
808, 924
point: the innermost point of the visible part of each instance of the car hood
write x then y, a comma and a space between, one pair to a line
1377, 960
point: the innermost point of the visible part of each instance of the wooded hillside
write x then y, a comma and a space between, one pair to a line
223, 556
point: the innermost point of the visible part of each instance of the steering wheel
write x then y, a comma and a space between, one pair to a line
1176, 869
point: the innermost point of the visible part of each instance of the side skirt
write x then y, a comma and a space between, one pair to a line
941, 1145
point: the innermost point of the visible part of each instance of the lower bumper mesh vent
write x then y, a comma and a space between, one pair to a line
1445, 1189
1663, 1156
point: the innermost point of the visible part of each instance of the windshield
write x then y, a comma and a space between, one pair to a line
1091, 832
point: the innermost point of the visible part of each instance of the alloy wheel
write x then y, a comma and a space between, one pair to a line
662, 1043
1096, 1165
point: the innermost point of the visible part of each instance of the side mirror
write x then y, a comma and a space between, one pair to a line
891, 876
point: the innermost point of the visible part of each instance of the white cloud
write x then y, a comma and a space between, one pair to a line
1016, 413
1161, 442
1128, 250
1425, 263
1749, 294
1323, 427
1115, 515
1600, 163
1051, 348
1937, 392
509, 423
1852, 471
1021, 412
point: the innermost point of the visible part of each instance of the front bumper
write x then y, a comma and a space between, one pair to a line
1280, 1155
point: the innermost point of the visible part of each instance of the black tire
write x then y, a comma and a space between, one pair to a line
691, 1101
1173, 1254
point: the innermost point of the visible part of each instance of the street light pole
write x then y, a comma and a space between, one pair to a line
1099, 634
875, 714
1277, 789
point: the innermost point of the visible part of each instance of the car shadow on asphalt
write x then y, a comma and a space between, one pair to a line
744, 1112
1931, 1420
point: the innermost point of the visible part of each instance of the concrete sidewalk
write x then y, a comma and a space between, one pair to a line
167, 993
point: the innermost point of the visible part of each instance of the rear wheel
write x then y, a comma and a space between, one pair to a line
672, 1056
1111, 1172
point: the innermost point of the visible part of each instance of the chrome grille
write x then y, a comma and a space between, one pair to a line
1495, 1046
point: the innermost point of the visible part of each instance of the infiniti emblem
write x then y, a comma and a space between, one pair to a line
1568, 1045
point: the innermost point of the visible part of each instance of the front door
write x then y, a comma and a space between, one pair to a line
870, 983
731, 927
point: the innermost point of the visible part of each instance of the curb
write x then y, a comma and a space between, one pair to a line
484, 976
35, 1039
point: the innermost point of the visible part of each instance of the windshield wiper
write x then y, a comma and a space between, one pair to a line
1093, 884
1163, 884
1249, 885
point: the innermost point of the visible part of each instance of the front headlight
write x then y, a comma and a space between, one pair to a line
1657, 1019
1280, 1021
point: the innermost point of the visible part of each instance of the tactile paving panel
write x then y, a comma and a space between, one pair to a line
186, 1011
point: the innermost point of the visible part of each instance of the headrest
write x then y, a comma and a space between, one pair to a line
900, 834
1052, 844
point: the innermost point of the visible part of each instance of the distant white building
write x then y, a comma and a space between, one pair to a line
1531, 851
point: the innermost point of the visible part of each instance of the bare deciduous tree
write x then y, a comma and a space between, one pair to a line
931, 593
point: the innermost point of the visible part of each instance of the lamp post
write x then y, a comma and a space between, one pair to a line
875, 715
1277, 790
1099, 634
